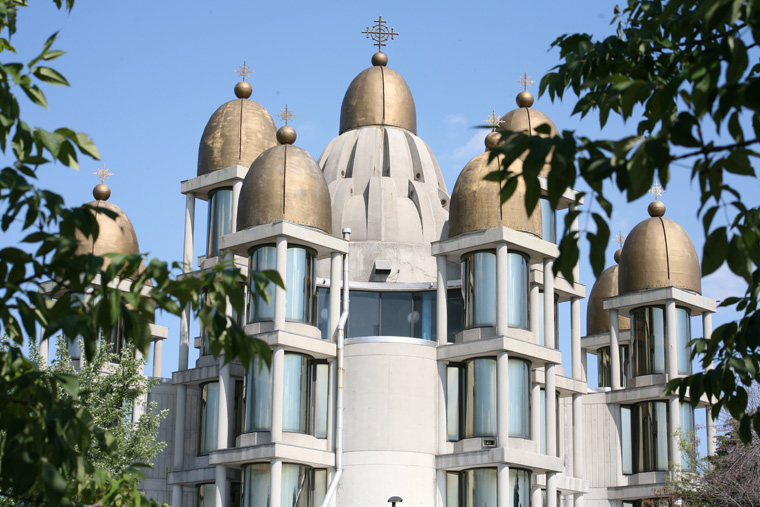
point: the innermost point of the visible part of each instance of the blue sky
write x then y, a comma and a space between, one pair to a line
147, 75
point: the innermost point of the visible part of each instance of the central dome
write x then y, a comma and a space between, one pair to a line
378, 96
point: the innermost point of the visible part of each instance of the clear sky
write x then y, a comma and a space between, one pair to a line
147, 75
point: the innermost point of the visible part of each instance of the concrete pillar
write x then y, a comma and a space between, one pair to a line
278, 367
138, 409
551, 410
549, 335
578, 429
275, 483
441, 316
223, 412
709, 421
575, 338
442, 426
158, 356
614, 350
534, 310
331, 393
551, 489
671, 345
220, 490
502, 282
503, 485
574, 228
236, 186
578, 500
279, 292
187, 266
502, 399
535, 494
336, 274
535, 415
177, 495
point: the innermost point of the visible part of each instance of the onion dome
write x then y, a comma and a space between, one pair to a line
527, 119
606, 286
378, 96
476, 202
238, 132
285, 183
659, 253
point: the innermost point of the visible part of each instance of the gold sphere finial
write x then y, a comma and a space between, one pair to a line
380, 33
524, 99
492, 140
379, 59
243, 90
656, 209
617, 255
101, 192
286, 135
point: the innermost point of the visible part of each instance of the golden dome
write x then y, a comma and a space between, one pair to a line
238, 132
606, 286
659, 253
378, 96
476, 202
285, 183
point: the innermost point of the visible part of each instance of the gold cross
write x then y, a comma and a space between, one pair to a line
493, 120
525, 81
244, 71
286, 115
656, 191
103, 174
380, 33
620, 239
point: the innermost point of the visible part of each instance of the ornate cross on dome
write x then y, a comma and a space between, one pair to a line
244, 71
525, 81
380, 33
286, 115
620, 239
493, 120
656, 191
103, 174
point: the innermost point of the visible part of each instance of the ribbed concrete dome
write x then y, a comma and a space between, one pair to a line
476, 202
597, 318
378, 96
238, 132
285, 183
659, 253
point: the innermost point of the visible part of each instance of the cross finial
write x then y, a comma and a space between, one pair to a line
244, 71
286, 114
525, 81
656, 191
380, 33
103, 174
493, 120
620, 239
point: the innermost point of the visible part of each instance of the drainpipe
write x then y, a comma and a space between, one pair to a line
339, 398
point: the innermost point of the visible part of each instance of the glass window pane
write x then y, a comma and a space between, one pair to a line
648, 330
322, 374
295, 393
256, 486
364, 311
452, 489
296, 486
219, 219
452, 402
661, 435
263, 258
323, 312
519, 488
206, 495
424, 315
626, 439
300, 286
686, 417
519, 398
480, 487
658, 330
480, 398
396, 314
548, 221
480, 289
517, 290
258, 398
683, 337
320, 486
603, 355
454, 313
209, 417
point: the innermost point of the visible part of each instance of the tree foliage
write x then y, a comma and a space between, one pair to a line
687, 71
47, 441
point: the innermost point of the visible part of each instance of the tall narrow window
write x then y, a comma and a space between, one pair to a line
480, 487
479, 283
323, 312
650, 436
548, 221
256, 485
259, 310
219, 219
517, 290
519, 487
454, 313
626, 440
302, 486
209, 417
648, 330
605, 372
258, 410
686, 417
541, 334
452, 402
683, 337
480, 398
519, 398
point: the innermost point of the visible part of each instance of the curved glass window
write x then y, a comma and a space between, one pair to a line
479, 288
300, 287
649, 433
256, 485
302, 486
648, 330
472, 488
626, 439
207, 494
548, 221
405, 314
258, 409
686, 417
209, 417
605, 378
519, 398
683, 337
454, 313
519, 487
219, 219
541, 335
480, 398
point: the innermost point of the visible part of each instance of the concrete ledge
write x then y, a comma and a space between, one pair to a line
592, 343
562, 287
293, 338
199, 476
288, 453
201, 186
454, 248
565, 484
565, 386
197, 376
259, 438
538, 463
694, 302
241, 242
536, 354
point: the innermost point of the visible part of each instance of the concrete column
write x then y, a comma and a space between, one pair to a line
158, 356
278, 366
187, 266
138, 409
575, 338
223, 413
709, 421
44, 346
578, 430
671, 345
502, 399
614, 350
534, 310
578, 500
503, 485
549, 336
336, 274
574, 228
236, 186
177, 495
551, 410
551, 489
179, 428
535, 415
535, 494
275, 483
279, 292
502, 282
441, 316
331, 391
442, 426
220, 490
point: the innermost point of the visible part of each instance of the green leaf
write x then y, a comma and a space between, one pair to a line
51, 76
715, 251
